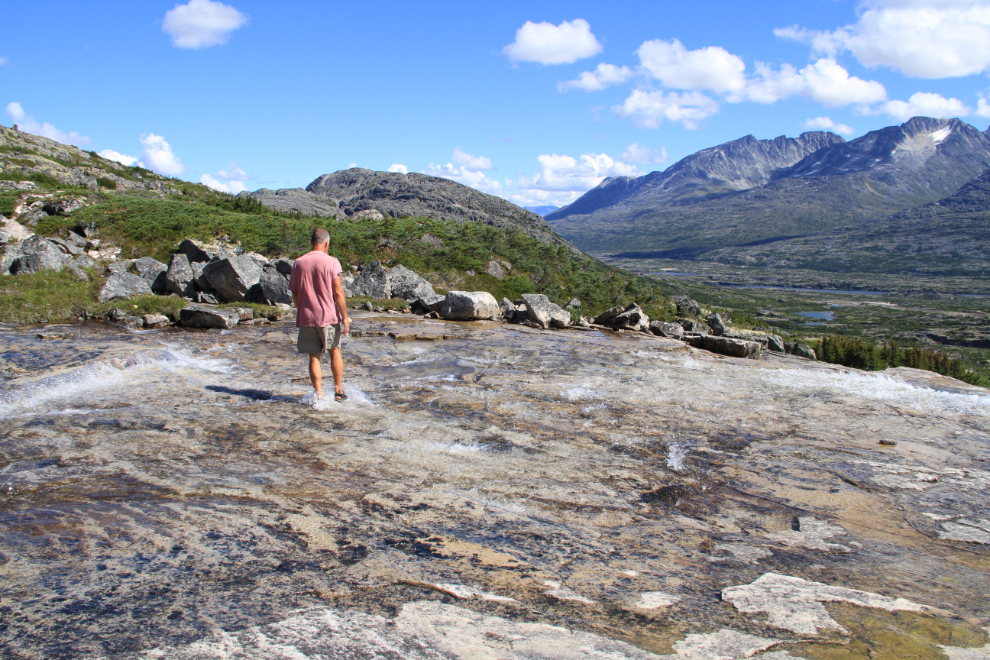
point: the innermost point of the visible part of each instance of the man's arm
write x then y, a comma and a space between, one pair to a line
341, 300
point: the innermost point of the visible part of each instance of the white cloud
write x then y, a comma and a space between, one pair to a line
159, 156
982, 107
29, 124
826, 124
921, 38
469, 170
562, 179
398, 167
471, 163
123, 159
228, 181
546, 43
4, 61
637, 153
603, 76
201, 23
472, 178
925, 104
712, 68
650, 109
824, 81
830, 84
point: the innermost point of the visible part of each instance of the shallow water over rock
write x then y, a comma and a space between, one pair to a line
506, 493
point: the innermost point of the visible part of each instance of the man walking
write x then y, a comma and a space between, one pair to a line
321, 311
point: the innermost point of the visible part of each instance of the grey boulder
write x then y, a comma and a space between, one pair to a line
118, 267
283, 266
686, 306
63, 206
775, 343
716, 323
194, 252
84, 261
124, 285
727, 346
671, 330
495, 269
408, 285
544, 313
631, 317
200, 316
372, 281
427, 304
232, 277
179, 276
68, 247
800, 350
152, 270
573, 304
272, 287
155, 321
469, 306
693, 326
37, 254
507, 308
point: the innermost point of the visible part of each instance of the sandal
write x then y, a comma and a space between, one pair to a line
339, 396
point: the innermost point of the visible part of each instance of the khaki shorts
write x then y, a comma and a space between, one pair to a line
318, 340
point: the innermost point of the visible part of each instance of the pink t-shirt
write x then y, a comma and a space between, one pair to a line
312, 282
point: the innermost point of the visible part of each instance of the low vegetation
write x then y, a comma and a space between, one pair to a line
860, 354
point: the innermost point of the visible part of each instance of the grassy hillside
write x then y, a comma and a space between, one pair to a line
144, 226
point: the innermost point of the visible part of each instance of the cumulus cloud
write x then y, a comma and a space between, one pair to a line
637, 153
561, 179
29, 124
675, 66
229, 181
469, 170
201, 23
831, 85
649, 109
546, 43
118, 157
826, 124
398, 167
925, 104
982, 107
603, 76
159, 156
921, 38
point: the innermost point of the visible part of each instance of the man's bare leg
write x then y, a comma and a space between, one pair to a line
337, 368
316, 373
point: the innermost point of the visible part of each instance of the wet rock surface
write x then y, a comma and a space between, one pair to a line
505, 493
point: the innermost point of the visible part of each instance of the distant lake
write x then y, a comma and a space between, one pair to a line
798, 288
824, 316
677, 274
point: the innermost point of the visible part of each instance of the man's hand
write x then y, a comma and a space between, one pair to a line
347, 325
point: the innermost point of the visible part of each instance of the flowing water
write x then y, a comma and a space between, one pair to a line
486, 491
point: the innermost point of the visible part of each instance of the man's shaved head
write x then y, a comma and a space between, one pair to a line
320, 236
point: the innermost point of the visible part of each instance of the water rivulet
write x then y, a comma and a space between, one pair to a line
503, 493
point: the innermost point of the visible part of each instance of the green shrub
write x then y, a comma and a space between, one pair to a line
104, 182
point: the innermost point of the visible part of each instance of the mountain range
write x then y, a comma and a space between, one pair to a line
748, 192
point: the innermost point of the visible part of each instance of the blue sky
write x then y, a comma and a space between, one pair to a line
533, 101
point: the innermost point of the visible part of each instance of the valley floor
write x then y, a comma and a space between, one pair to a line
951, 314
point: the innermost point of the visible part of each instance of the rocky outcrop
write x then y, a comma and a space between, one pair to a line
194, 251
232, 277
201, 316
396, 195
295, 200
469, 306
427, 304
124, 285
544, 313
